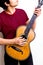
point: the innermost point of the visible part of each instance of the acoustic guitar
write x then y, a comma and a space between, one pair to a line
22, 52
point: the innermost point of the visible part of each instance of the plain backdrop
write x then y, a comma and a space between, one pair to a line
37, 44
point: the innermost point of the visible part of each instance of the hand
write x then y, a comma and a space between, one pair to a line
20, 41
37, 11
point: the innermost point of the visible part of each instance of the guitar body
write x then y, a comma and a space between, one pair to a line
25, 50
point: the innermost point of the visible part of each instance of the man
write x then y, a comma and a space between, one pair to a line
10, 19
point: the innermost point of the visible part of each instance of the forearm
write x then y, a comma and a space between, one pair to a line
34, 25
6, 41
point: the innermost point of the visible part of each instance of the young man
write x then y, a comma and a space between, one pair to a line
10, 19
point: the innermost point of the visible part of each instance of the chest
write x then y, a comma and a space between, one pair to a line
10, 24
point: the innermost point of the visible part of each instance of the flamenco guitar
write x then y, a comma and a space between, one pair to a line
22, 52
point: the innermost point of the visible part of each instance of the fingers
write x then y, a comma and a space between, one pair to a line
22, 44
37, 11
22, 41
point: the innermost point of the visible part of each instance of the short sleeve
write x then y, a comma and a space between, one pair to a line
25, 16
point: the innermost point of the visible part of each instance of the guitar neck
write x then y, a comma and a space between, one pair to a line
29, 26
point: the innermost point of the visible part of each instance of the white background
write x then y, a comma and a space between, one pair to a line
37, 44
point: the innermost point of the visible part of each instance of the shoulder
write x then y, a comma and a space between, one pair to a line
1, 13
1, 16
20, 10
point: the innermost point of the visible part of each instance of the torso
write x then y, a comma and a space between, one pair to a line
11, 22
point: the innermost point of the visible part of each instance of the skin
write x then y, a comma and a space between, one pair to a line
10, 10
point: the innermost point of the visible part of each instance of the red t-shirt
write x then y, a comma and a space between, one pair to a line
10, 23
